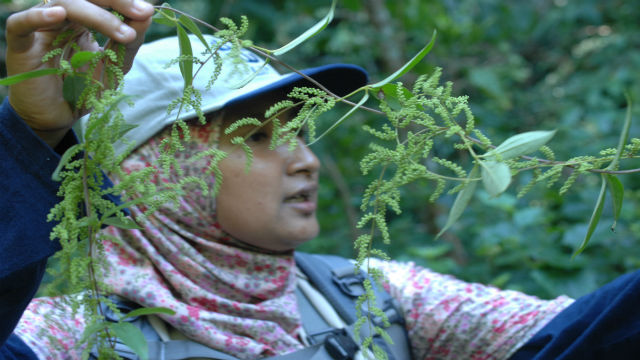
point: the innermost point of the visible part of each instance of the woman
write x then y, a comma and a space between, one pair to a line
226, 266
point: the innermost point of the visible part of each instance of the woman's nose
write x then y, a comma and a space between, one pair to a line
303, 160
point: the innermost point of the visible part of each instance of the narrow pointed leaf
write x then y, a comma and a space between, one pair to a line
72, 88
624, 134
319, 26
408, 66
496, 177
191, 26
125, 128
186, 65
14, 79
462, 200
120, 223
90, 330
165, 16
81, 58
64, 159
131, 336
390, 93
595, 218
617, 196
521, 144
344, 117
148, 311
251, 76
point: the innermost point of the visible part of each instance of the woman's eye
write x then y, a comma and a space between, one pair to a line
258, 136
302, 133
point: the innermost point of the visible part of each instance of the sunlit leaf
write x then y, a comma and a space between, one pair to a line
125, 223
595, 217
186, 65
521, 144
496, 177
131, 336
309, 33
14, 79
617, 196
462, 200
408, 66
148, 311
81, 58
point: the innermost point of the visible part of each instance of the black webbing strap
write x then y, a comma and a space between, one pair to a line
337, 279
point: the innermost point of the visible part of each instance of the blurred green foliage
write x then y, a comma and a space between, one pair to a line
526, 65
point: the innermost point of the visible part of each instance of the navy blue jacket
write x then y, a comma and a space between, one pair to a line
27, 193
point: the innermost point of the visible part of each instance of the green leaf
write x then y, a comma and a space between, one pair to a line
595, 218
408, 66
72, 88
66, 157
344, 117
14, 79
191, 26
148, 311
252, 76
462, 200
624, 134
617, 196
89, 129
165, 16
390, 92
309, 33
496, 177
93, 328
125, 128
131, 336
186, 65
125, 223
81, 58
521, 144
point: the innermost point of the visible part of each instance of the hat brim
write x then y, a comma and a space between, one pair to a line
340, 79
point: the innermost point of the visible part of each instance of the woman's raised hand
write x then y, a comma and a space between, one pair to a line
30, 34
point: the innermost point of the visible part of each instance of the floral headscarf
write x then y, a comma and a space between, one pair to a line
232, 298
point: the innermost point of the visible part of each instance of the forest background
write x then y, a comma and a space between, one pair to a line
526, 65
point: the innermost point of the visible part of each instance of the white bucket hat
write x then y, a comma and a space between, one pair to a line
154, 85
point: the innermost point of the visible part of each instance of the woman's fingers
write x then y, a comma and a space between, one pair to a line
131, 9
93, 15
22, 25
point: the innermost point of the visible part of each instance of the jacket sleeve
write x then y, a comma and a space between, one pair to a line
27, 192
447, 318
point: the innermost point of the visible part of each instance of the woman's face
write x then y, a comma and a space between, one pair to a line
273, 205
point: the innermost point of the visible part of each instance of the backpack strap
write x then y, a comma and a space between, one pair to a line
337, 279
158, 349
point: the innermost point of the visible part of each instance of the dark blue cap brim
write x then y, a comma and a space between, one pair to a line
340, 79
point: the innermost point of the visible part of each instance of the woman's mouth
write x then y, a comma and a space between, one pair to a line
303, 200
